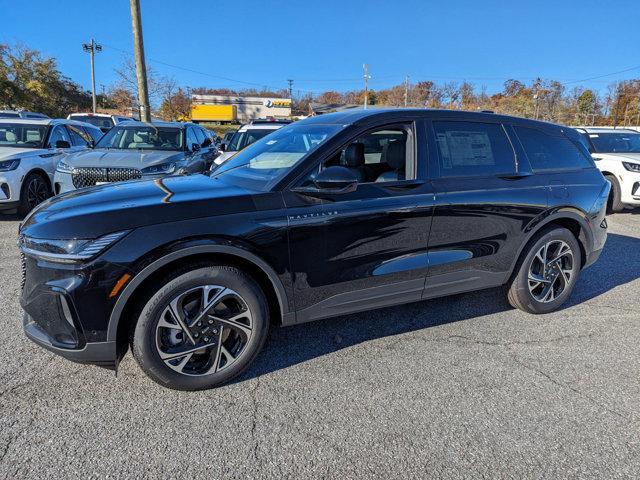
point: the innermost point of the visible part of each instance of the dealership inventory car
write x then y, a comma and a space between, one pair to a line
29, 151
246, 135
331, 215
21, 114
103, 121
616, 152
134, 150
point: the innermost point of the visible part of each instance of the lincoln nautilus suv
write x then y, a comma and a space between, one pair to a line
335, 214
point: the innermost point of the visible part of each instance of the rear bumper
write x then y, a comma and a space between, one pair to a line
102, 354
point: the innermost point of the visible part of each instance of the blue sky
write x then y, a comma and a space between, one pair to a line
322, 44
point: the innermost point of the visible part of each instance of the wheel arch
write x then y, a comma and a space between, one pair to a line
40, 171
573, 221
120, 317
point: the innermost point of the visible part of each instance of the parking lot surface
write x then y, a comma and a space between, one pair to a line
463, 386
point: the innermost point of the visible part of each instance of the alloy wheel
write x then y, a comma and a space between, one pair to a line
204, 330
37, 191
551, 271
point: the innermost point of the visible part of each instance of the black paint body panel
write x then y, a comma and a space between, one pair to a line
380, 245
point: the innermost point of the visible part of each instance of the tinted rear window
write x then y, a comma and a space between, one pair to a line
100, 122
473, 149
550, 152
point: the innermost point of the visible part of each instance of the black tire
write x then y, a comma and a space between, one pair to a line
145, 336
614, 205
35, 190
519, 293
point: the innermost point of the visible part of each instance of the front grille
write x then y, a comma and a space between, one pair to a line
89, 176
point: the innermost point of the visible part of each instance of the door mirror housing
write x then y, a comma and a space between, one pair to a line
222, 147
195, 147
332, 181
62, 144
206, 143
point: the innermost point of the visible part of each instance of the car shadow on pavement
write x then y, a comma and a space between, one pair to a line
288, 346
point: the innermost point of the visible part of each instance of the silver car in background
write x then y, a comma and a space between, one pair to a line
29, 152
134, 150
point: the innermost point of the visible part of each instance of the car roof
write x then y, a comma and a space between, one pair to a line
90, 114
605, 130
45, 121
360, 116
262, 126
157, 123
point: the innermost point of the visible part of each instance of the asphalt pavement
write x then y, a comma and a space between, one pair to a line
459, 387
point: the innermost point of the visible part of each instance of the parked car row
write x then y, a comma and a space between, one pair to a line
41, 158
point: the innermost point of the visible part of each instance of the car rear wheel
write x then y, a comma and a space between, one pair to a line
614, 205
201, 329
547, 273
35, 190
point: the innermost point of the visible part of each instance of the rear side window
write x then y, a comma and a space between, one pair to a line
550, 152
79, 137
473, 149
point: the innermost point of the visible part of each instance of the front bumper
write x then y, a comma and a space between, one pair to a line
103, 354
10, 183
62, 183
630, 188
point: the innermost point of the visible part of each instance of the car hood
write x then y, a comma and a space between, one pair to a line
95, 211
622, 156
102, 157
7, 153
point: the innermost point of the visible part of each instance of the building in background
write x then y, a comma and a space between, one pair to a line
235, 108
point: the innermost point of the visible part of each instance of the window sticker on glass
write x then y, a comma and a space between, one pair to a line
467, 148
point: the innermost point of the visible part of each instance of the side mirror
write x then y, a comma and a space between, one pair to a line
333, 180
206, 143
62, 144
195, 147
222, 147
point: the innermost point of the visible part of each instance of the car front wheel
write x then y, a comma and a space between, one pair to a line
548, 272
201, 329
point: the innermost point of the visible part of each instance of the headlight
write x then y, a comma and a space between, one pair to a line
68, 250
64, 167
7, 165
632, 167
162, 169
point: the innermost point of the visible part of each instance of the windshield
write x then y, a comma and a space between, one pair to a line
142, 137
263, 163
627, 142
22, 135
100, 122
246, 138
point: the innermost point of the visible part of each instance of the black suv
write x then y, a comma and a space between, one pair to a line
335, 214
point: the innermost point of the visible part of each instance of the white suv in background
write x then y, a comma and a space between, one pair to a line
246, 135
616, 152
29, 153
103, 121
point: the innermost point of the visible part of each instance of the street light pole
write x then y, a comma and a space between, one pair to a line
366, 84
141, 68
92, 48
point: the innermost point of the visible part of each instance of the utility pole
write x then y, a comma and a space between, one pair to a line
366, 84
290, 82
406, 90
92, 48
141, 68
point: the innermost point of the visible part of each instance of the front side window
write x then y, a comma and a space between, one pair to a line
382, 155
241, 140
550, 152
268, 160
142, 137
21, 135
624, 142
79, 137
473, 149
58, 133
